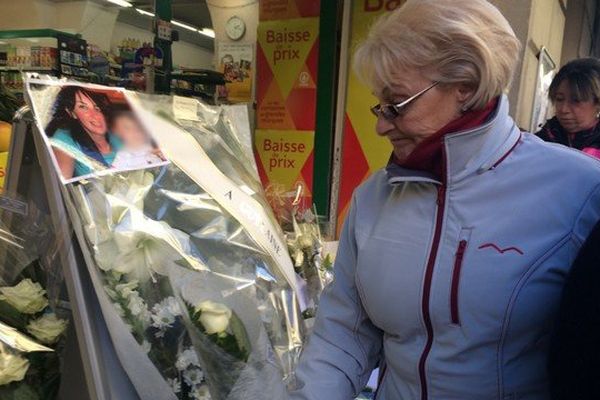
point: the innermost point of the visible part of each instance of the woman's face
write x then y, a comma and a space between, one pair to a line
423, 117
89, 115
574, 116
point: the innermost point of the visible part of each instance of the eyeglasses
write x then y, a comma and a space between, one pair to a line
392, 111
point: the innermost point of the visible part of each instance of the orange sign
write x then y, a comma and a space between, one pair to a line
286, 94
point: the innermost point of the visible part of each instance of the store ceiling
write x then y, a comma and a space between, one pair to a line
191, 12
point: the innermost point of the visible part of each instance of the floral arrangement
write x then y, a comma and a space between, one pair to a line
194, 277
305, 245
31, 340
34, 314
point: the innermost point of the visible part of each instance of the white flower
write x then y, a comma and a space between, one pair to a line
200, 393
12, 367
146, 346
26, 297
138, 308
175, 385
126, 289
193, 376
214, 316
187, 358
141, 247
119, 309
165, 312
47, 328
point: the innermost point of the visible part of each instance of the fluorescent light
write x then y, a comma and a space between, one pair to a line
184, 26
207, 32
121, 3
144, 12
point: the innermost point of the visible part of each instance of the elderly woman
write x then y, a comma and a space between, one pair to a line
449, 271
575, 94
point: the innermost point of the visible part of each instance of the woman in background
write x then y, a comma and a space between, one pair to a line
575, 94
79, 133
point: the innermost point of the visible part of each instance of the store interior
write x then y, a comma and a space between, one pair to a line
258, 131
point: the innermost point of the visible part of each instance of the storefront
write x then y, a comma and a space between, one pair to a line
182, 255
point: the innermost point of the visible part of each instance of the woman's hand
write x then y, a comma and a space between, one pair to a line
158, 153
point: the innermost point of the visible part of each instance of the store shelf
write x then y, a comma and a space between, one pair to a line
27, 69
35, 33
191, 93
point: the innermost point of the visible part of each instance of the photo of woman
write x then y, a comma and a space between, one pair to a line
91, 131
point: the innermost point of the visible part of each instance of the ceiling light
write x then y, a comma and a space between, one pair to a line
184, 26
207, 32
122, 3
144, 12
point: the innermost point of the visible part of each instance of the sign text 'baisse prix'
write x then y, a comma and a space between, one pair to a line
283, 37
280, 149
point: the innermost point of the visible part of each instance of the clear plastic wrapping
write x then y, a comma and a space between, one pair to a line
186, 258
34, 313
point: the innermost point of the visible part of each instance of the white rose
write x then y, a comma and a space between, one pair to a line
47, 328
12, 367
214, 316
26, 297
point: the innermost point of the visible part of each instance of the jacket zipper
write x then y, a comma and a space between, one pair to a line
458, 261
381, 377
441, 203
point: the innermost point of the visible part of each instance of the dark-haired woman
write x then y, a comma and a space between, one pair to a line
575, 94
79, 132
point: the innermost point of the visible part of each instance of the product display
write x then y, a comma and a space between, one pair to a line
186, 259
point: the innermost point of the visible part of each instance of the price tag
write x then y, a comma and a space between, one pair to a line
185, 108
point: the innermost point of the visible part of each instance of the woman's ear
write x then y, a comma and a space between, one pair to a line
463, 95
464, 92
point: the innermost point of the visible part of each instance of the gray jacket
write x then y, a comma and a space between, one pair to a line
454, 286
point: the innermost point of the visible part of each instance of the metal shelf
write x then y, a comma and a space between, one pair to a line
28, 69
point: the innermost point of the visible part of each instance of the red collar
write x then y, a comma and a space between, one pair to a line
428, 155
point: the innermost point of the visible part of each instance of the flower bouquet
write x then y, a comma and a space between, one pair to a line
305, 245
33, 317
188, 265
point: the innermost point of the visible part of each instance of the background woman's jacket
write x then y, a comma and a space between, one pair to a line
575, 350
587, 141
456, 285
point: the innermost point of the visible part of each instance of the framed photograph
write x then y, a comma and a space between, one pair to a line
90, 130
541, 103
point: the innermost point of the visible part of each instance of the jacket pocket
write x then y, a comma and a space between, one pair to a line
456, 272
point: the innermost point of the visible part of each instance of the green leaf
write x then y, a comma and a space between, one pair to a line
241, 336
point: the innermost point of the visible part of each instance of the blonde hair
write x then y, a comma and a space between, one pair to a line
456, 41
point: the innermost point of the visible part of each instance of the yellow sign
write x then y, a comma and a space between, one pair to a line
283, 154
3, 161
286, 45
363, 151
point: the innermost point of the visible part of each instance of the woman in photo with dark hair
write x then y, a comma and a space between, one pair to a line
79, 132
